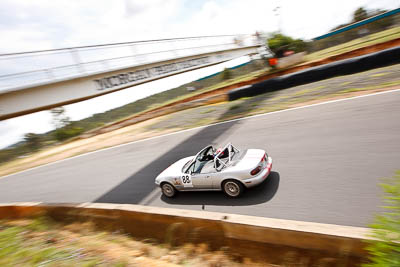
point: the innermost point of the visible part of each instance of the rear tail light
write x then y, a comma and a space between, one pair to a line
260, 165
269, 165
256, 170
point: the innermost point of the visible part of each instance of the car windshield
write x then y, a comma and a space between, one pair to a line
186, 166
196, 164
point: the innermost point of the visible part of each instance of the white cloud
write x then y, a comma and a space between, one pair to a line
42, 24
13, 130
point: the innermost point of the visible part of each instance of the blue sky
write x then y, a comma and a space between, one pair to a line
27, 25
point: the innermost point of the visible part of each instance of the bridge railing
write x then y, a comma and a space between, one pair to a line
30, 68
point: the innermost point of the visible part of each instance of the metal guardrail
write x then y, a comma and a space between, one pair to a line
36, 67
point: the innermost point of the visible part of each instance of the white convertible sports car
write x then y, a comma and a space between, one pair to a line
227, 169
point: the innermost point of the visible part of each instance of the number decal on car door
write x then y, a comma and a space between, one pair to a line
186, 180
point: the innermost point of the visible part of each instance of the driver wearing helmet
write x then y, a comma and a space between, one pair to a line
222, 154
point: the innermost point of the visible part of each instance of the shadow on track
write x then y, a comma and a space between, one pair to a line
136, 187
257, 195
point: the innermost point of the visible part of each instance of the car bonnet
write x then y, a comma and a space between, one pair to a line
176, 168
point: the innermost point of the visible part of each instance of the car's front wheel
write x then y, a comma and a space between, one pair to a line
168, 190
232, 188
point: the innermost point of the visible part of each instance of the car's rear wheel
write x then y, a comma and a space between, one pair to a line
168, 190
232, 188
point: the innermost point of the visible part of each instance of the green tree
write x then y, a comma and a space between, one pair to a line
33, 141
385, 249
360, 14
64, 127
278, 42
60, 118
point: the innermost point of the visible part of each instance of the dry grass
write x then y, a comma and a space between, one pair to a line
43, 242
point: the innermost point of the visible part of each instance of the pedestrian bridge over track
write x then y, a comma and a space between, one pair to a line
39, 80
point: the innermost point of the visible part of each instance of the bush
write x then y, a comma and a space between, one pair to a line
62, 134
385, 249
6, 155
33, 141
226, 74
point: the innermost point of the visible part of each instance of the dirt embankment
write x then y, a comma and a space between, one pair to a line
219, 95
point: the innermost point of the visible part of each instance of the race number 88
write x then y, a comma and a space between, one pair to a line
186, 179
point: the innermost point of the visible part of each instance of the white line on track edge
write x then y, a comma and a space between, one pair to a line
204, 126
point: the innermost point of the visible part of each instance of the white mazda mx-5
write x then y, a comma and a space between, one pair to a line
227, 169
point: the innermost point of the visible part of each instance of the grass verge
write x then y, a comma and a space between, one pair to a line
43, 242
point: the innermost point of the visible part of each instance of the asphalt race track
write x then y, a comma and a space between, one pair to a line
328, 160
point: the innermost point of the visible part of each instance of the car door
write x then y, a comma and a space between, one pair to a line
206, 175
194, 178
201, 181
219, 174
191, 180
